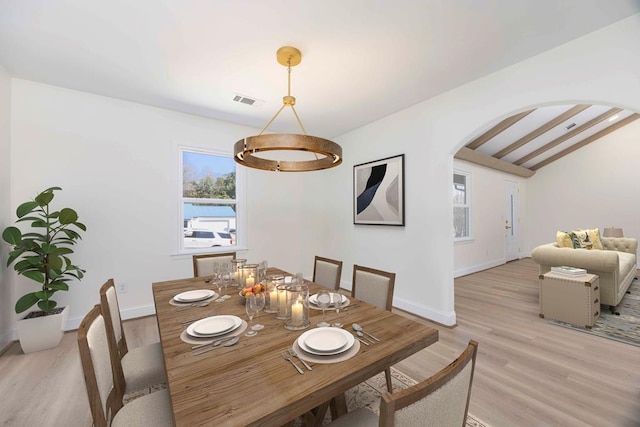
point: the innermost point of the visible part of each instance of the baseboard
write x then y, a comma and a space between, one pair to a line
6, 339
475, 268
444, 318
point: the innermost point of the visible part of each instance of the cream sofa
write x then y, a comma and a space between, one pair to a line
616, 264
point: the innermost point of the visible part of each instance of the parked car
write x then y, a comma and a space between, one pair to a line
206, 238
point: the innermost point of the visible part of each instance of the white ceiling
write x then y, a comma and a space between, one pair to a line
361, 59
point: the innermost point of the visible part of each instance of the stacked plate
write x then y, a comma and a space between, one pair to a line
214, 326
325, 341
194, 296
313, 299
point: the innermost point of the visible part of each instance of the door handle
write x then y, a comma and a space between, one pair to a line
506, 227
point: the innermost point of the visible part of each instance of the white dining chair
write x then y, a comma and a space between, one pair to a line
441, 400
375, 287
105, 399
137, 368
327, 272
205, 264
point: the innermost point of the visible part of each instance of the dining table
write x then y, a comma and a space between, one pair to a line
250, 383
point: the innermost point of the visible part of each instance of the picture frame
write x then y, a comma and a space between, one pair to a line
378, 192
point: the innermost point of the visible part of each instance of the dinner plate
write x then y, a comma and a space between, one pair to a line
326, 341
193, 296
313, 299
214, 326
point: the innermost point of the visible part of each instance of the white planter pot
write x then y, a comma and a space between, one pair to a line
41, 333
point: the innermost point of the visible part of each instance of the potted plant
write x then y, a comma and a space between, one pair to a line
42, 255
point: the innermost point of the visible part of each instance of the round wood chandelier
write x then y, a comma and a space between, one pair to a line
327, 153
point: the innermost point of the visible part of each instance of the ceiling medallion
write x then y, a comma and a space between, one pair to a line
327, 153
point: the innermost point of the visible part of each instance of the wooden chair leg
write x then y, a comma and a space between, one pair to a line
338, 406
387, 374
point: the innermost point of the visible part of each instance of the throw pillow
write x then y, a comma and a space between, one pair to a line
587, 239
564, 240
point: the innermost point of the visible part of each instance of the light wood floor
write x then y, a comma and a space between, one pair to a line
529, 373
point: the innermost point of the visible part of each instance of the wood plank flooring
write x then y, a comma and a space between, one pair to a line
529, 373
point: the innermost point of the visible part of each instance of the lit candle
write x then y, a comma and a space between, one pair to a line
282, 303
273, 298
296, 314
250, 281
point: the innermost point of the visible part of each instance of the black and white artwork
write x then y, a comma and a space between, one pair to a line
378, 189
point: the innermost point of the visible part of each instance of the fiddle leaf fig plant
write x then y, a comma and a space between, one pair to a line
42, 253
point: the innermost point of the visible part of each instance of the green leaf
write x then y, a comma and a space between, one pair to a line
47, 248
44, 294
26, 208
55, 262
80, 225
34, 275
26, 302
62, 251
12, 235
68, 216
51, 189
58, 286
44, 198
47, 306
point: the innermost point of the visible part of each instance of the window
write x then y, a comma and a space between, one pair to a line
461, 205
209, 200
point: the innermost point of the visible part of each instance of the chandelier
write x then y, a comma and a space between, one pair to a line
327, 153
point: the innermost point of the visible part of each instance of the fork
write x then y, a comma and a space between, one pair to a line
293, 353
286, 357
195, 304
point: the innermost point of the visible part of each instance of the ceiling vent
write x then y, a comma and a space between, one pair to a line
247, 100
572, 125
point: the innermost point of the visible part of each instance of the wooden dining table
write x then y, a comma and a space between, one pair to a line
250, 383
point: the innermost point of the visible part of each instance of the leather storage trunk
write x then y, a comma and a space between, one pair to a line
570, 299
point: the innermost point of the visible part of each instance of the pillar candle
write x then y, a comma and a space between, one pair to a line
296, 314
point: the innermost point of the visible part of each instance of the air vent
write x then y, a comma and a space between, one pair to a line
572, 125
242, 99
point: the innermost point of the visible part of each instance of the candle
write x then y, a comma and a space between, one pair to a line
296, 314
250, 281
273, 298
282, 302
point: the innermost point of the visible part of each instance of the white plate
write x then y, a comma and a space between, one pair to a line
326, 341
193, 296
313, 299
222, 324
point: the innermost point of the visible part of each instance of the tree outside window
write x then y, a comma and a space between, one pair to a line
461, 205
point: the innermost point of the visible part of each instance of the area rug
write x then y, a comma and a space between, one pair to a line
367, 394
625, 327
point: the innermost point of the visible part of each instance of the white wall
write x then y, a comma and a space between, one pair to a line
116, 162
487, 247
6, 296
596, 186
601, 67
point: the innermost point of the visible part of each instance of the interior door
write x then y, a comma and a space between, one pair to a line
511, 228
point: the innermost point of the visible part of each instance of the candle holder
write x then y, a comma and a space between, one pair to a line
235, 271
248, 275
297, 307
282, 301
273, 281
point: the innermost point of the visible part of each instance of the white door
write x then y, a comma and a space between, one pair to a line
511, 232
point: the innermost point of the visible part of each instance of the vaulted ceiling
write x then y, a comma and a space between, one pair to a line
525, 142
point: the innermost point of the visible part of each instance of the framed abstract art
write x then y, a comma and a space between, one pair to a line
378, 192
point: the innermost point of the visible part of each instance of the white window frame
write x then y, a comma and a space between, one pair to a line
467, 205
240, 204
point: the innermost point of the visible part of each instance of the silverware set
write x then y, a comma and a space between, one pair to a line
364, 337
195, 304
286, 357
293, 353
199, 349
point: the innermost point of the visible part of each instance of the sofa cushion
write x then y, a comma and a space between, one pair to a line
627, 263
587, 239
564, 239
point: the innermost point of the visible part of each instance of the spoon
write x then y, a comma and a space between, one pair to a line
216, 344
359, 329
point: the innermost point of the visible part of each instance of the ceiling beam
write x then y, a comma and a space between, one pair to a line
586, 141
542, 129
568, 135
497, 129
478, 158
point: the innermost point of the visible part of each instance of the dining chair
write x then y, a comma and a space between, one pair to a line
375, 287
441, 400
134, 369
327, 272
105, 400
203, 265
